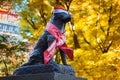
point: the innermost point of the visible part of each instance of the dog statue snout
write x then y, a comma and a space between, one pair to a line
67, 17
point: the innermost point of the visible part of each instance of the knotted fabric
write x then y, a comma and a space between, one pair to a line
59, 42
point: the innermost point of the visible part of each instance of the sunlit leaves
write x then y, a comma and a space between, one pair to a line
96, 23
97, 26
12, 54
95, 66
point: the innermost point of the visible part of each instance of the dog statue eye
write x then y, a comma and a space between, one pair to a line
58, 16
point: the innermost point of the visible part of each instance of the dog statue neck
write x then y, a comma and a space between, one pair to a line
59, 24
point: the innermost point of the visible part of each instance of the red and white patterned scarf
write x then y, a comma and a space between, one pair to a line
59, 42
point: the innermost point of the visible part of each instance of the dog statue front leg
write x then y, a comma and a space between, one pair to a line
63, 57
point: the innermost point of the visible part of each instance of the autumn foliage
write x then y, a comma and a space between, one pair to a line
93, 33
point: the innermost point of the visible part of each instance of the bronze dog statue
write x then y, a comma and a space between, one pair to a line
59, 19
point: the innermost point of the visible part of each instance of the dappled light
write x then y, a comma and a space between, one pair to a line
93, 33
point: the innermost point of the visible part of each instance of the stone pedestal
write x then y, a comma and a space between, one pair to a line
42, 68
43, 76
44, 72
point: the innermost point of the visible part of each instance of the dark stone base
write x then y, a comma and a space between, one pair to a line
44, 72
42, 68
43, 76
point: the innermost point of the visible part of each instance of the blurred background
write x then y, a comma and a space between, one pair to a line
93, 33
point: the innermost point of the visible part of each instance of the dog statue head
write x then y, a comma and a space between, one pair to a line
60, 17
